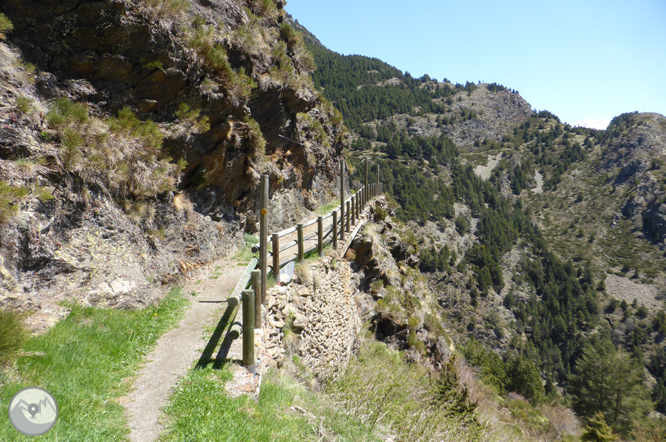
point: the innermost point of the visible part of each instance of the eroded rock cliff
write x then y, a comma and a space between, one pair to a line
133, 134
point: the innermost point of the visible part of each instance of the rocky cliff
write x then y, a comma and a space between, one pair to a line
132, 137
635, 156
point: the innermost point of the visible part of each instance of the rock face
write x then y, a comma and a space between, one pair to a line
228, 90
636, 155
493, 114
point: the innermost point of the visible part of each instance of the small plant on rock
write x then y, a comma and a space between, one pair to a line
24, 104
9, 196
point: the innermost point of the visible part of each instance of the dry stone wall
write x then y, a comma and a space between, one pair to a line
315, 317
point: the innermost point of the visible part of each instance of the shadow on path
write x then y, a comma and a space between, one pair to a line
206, 355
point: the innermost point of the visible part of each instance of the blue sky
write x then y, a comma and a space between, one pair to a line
584, 59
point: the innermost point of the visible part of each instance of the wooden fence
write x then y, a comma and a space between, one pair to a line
326, 232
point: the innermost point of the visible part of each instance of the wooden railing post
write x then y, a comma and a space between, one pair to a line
342, 199
347, 218
248, 330
276, 257
320, 235
263, 238
256, 285
299, 228
335, 229
353, 210
358, 206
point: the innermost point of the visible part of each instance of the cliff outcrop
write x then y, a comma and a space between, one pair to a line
133, 135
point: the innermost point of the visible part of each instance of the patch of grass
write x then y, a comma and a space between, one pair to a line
24, 104
88, 359
216, 273
9, 196
328, 208
303, 272
378, 386
244, 255
201, 410
153, 65
168, 8
12, 336
250, 239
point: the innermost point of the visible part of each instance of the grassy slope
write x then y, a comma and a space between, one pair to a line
88, 360
201, 410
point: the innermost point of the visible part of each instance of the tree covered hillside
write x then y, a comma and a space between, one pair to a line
502, 281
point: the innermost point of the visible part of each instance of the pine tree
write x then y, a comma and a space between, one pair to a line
608, 381
597, 430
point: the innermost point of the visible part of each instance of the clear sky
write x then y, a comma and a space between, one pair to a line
584, 59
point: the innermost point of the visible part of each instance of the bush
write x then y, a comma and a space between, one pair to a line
380, 213
65, 111
290, 35
462, 225
23, 104
12, 335
6, 26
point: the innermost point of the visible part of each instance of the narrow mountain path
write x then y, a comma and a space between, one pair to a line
178, 349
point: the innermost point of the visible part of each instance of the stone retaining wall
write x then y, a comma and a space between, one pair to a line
315, 317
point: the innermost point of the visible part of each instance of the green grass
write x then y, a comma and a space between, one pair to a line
89, 360
12, 336
201, 410
244, 255
326, 209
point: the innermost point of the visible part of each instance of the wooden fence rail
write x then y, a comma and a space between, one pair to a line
252, 299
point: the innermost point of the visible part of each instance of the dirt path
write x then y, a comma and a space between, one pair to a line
178, 349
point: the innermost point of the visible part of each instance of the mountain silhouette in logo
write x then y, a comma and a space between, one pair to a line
20, 419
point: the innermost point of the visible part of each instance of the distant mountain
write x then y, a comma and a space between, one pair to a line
535, 235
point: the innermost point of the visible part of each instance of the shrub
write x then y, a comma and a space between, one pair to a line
462, 225
153, 65
290, 34
65, 111
6, 26
380, 213
12, 335
376, 286
24, 104
264, 8
191, 116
